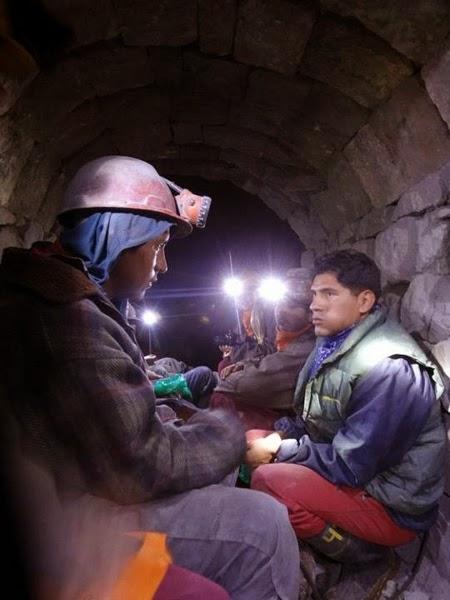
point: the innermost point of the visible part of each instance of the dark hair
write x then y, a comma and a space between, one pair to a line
354, 270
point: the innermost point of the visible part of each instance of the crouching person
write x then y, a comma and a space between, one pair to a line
86, 407
365, 469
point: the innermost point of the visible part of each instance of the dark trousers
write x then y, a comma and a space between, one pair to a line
201, 382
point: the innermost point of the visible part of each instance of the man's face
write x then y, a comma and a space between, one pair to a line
137, 269
335, 307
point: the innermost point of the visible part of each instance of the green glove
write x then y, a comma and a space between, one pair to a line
175, 384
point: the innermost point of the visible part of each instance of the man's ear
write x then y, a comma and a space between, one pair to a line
367, 300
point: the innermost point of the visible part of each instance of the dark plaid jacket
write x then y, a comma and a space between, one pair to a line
74, 378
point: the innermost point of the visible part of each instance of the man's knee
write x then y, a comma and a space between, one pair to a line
263, 505
267, 478
264, 517
239, 538
207, 377
201, 378
291, 480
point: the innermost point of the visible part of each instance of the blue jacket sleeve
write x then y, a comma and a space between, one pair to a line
387, 411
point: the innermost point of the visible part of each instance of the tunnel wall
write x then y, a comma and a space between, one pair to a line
335, 113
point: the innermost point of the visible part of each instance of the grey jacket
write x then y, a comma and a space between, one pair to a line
269, 382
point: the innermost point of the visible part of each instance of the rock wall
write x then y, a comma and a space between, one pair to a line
334, 113
388, 195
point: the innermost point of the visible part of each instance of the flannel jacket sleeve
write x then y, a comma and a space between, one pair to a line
101, 408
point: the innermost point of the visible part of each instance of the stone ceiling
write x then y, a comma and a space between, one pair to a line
327, 110
336, 113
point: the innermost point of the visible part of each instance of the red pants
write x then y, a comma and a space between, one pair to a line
313, 502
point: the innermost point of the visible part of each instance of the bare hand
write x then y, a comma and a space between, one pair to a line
150, 359
152, 375
239, 366
226, 350
262, 450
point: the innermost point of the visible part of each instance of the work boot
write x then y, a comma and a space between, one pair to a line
344, 547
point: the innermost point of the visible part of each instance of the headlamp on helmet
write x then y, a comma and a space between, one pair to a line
190, 206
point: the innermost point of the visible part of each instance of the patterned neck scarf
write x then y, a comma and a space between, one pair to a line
326, 348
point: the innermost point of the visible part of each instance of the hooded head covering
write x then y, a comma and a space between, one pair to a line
100, 238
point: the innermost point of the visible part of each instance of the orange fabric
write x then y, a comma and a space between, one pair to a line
246, 316
284, 338
144, 572
139, 578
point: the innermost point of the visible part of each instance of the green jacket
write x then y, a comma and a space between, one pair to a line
414, 485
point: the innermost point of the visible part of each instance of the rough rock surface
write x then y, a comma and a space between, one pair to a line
216, 21
334, 112
344, 55
425, 307
273, 33
436, 75
407, 26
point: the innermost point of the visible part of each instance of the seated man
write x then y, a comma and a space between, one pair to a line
85, 406
261, 390
365, 468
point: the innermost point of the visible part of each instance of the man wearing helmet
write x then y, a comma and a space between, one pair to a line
86, 408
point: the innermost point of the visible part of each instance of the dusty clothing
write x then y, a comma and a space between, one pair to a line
239, 538
86, 404
85, 393
169, 366
250, 349
269, 382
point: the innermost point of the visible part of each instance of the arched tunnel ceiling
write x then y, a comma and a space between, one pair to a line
310, 105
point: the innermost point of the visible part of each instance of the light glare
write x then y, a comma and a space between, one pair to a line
272, 289
233, 287
150, 317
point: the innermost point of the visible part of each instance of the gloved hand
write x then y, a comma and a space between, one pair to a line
175, 384
293, 450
